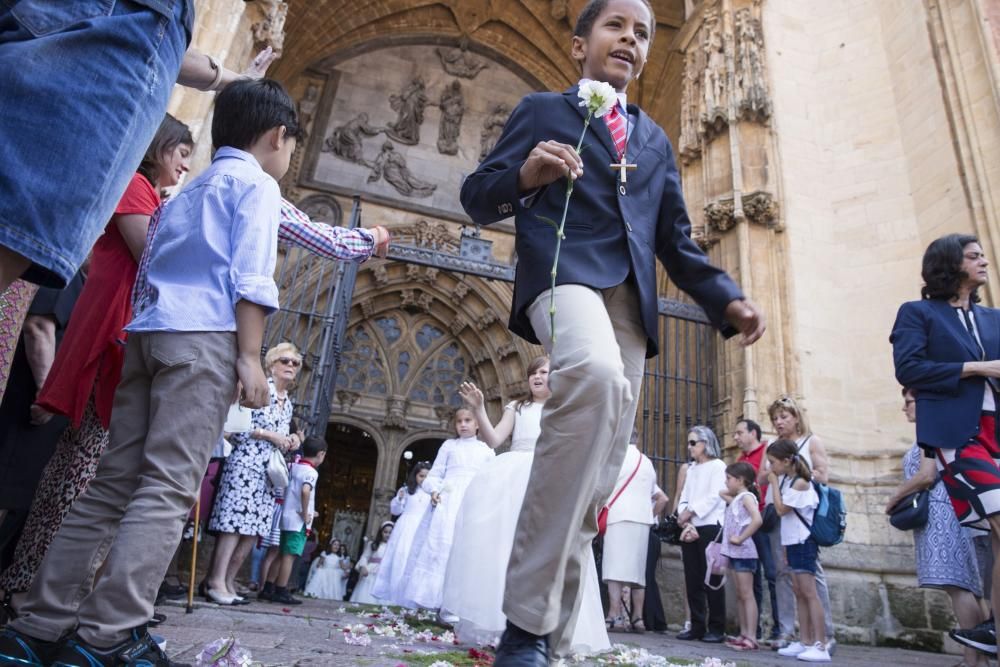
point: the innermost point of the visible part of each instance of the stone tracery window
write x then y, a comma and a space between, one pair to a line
390, 329
439, 379
362, 367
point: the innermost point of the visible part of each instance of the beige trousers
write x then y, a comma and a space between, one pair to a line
596, 372
168, 413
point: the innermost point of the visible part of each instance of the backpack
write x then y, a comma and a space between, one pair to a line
830, 520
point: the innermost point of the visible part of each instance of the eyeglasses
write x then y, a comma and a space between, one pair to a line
288, 361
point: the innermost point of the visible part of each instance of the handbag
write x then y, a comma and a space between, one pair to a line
277, 469
669, 531
715, 563
769, 518
911, 511
602, 516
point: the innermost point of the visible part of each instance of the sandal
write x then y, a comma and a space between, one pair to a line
637, 626
744, 644
616, 624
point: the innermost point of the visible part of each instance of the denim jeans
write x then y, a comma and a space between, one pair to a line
786, 597
85, 84
765, 572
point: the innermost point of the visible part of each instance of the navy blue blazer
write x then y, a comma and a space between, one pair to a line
611, 233
929, 345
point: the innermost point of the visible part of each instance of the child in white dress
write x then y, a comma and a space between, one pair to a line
484, 533
326, 578
410, 504
369, 565
455, 465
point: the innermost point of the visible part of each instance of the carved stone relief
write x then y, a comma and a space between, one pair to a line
690, 139
752, 99
492, 128
270, 30
403, 124
759, 208
705, 94
322, 208
347, 140
459, 62
391, 165
409, 106
395, 412
452, 106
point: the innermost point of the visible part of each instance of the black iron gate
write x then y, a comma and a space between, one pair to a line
316, 296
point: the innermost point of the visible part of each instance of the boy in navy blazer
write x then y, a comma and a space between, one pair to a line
605, 297
946, 348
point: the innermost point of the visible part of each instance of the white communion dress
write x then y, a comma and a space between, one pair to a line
455, 465
389, 583
372, 560
484, 537
327, 579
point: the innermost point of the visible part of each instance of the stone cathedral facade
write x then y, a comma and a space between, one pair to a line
822, 146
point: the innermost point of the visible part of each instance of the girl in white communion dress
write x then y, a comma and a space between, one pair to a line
484, 534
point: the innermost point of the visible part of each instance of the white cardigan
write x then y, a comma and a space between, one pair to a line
701, 492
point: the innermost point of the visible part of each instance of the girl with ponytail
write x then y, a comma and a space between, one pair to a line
795, 501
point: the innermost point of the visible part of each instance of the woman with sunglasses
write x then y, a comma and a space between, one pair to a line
700, 514
245, 504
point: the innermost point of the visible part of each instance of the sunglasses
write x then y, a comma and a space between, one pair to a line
288, 361
694, 443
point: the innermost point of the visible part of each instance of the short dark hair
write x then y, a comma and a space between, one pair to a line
312, 446
752, 426
942, 267
246, 109
587, 17
171, 134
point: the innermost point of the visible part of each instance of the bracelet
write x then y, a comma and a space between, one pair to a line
214, 64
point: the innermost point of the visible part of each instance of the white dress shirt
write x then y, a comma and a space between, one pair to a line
701, 492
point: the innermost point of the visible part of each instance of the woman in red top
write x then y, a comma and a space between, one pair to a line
88, 365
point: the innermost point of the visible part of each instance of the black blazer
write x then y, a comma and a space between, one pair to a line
929, 345
610, 233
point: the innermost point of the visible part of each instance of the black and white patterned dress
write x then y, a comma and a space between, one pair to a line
245, 501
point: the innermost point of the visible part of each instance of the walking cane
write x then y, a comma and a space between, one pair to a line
194, 556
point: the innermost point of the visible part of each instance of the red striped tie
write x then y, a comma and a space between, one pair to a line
616, 124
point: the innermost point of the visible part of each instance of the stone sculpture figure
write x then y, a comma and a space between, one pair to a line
270, 30
409, 106
391, 165
452, 105
346, 141
457, 61
752, 98
690, 105
492, 128
307, 105
715, 69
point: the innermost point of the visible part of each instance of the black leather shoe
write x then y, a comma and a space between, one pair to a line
519, 648
713, 638
689, 635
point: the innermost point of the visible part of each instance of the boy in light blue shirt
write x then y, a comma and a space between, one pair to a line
204, 289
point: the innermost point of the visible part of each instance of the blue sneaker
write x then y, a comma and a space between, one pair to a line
19, 649
140, 650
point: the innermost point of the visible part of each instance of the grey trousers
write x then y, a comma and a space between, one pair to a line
596, 373
786, 597
168, 413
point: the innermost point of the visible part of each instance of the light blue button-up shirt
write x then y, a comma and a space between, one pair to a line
213, 245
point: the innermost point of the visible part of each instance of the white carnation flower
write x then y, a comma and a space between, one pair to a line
598, 97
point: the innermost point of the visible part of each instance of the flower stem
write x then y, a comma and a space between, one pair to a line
560, 235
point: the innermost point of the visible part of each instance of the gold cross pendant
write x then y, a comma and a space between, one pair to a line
623, 168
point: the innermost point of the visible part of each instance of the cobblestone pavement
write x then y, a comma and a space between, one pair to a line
313, 634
